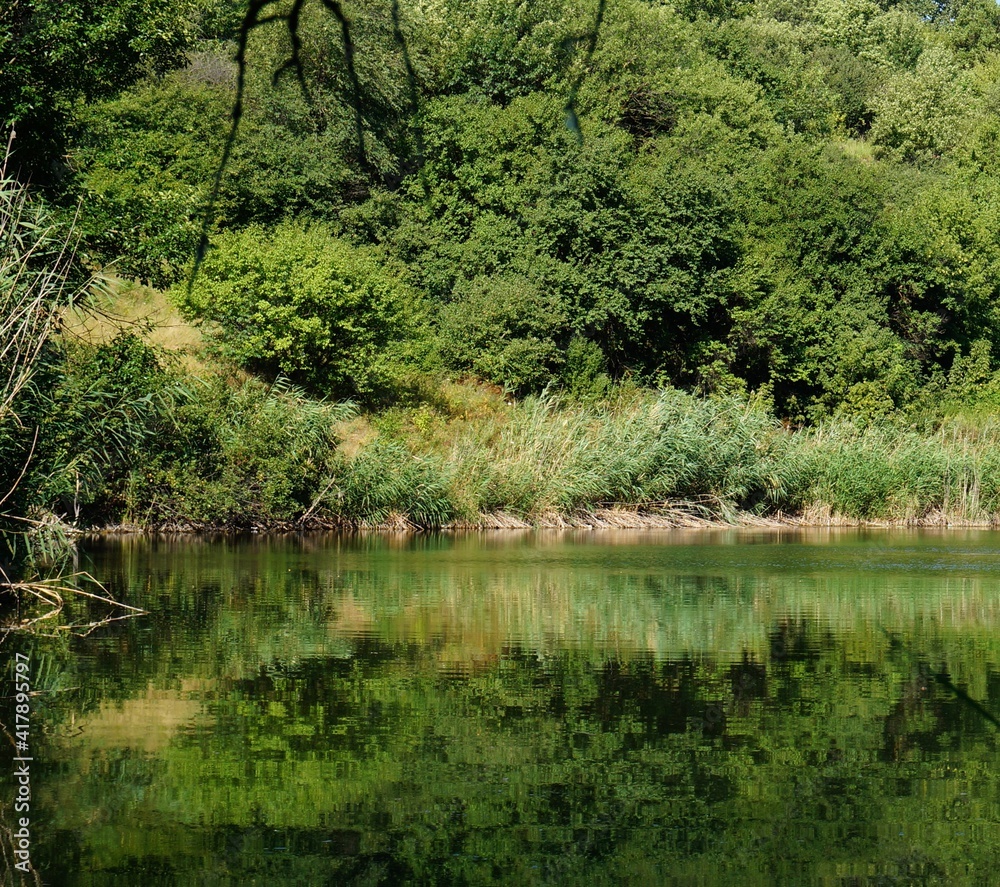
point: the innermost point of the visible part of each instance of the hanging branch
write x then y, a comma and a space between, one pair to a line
256, 16
411, 81
348, 44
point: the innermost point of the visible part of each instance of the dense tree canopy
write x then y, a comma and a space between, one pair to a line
54, 52
794, 198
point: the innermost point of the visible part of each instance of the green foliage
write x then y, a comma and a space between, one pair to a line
854, 82
327, 111
811, 322
944, 262
143, 162
501, 50
219, 19
675, 85
299, 302
528, 237
920, 114
121, 438
38, 280
970, 27
585, 374
504, 329
104, 409
774, 56
236, 455
56, 51
786, 202
887, 36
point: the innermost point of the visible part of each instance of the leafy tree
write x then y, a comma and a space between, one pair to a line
144, 162
807, 281
775, 56
502, 50
219, 19
142, 165
505, 328
630, 253
942, 270
853, 82
970, 27
299, 302
920, 115
53, 52
890, 38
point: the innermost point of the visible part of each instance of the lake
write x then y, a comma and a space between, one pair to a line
581, 708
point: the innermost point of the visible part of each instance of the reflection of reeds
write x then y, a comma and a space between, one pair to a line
47, 581
466, 599
11, 876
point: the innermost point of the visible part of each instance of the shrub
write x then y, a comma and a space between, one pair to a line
104, 408
237, 455
505, 330
144, 162
297, 301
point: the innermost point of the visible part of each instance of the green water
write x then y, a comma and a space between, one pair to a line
536, 708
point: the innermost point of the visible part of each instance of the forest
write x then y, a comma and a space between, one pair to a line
425, 263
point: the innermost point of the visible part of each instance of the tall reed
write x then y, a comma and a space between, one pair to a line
721, 458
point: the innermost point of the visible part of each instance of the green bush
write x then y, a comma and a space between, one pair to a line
144, 163
104, 408
237, 455
299, 302
505, 330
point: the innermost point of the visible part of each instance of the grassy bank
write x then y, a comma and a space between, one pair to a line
273, 457
142, 428
665, 457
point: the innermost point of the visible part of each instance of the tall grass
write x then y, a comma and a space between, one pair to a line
34, 273
540, 458
640, 452
718, 458
893, 474
35, 266
237, 454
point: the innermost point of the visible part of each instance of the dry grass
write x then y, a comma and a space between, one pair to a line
122, 305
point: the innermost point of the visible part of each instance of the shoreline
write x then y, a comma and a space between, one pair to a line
672, 518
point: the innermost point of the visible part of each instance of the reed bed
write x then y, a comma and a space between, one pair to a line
268, 457
668, 459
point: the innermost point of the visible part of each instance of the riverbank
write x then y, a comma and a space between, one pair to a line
249, 457
151, 433
676, 516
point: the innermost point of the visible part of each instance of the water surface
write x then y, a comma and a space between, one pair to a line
528, 708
